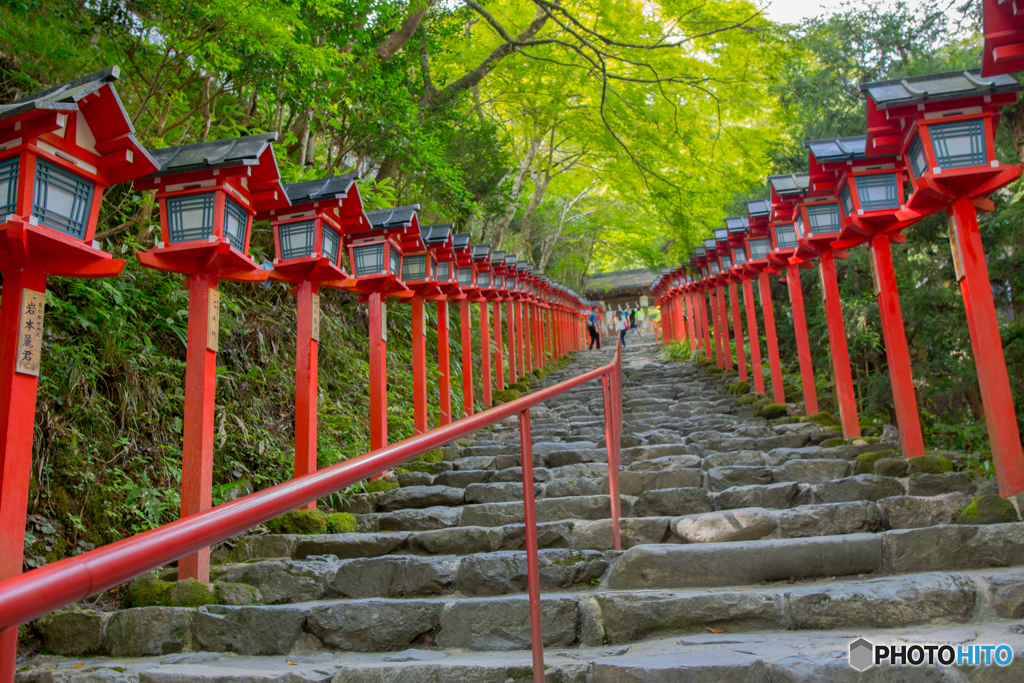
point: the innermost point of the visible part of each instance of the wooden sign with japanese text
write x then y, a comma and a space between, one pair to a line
30, 332
314, 327
213, 320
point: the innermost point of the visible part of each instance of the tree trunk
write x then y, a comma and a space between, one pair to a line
540, 186
1013, 119
517, 187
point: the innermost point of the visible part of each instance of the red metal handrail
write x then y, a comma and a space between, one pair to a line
43, 590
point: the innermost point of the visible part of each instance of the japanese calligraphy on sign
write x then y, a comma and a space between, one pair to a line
314, 328
954, 244
30, 332
213, 320
874, 273
383, 321
444, 305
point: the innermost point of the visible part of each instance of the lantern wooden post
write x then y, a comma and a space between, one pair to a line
753, 336
768, 312
444, 379
517, 308
690, 315
510, 341
419, 367
306, 354
466, 331
845, 396
803, 344
897, 354
485, 355
677, 307
986, 342
377, 310
737, 328
499, 362
723, 317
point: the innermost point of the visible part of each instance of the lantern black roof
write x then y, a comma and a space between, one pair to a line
497, 257
721, 233
937, 87
399, 217
63, 97
510, 261
737, 224
335, 187
838, 149
700, 251
481, 251
460, 241
790, 183
759, 207
201, 156
433, 235
522, 266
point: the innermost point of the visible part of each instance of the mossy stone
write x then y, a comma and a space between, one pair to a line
377, 486
747, 400
773, 411
930, 464
299, 522
834, 441
241, 594
147, 591
866, 461
504, 396
823, 418
990, 509
521, 387
891, 467
341, 523
436, 455
869, 430
788, 420
739, 388
192, 593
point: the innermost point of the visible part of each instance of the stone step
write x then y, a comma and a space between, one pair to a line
592, 619
749, 657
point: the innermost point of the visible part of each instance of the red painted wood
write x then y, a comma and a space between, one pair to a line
499, 362
17, 420
803, 344
716, 331
510, 324
200, 392
466, 330
723, 325
306, 351
987, 344
768, 312
485, 355
419, 367
904, 395
845, 395
612, 439
691, 319
517, 307
753, 336
528, 336
378, 374
532, 554
705, 322
737, 328
444, 377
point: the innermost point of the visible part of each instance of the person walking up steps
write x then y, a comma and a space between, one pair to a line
595, 336
621, 327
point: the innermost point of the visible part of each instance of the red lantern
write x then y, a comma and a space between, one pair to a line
59, 148
209, 193
758, 244
308, 247
944, 127
787, 227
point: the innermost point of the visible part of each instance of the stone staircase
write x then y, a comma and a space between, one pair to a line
751, 553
